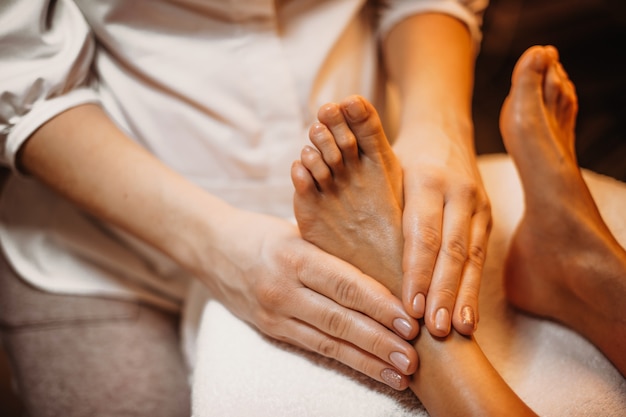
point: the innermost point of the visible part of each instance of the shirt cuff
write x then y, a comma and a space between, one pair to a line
403, 10
23, 127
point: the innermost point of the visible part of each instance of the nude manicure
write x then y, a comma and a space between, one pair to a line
467, 316
400, 360
442, 320
391, 378
403, 327
419, 305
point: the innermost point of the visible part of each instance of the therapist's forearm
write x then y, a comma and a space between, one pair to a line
83, 156
430, 58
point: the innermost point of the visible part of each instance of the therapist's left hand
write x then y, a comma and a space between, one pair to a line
446, 225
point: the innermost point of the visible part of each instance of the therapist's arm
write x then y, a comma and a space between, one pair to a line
258, 266
447, 216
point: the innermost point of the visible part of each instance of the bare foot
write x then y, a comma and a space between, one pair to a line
348, 201
563, 263
335, 182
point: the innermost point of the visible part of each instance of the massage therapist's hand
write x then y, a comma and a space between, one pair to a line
258, 266
446, 223
294, 292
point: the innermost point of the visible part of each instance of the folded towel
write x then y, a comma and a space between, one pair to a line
239, 372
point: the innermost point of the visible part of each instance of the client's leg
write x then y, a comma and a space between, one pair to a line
348, 202
564, 263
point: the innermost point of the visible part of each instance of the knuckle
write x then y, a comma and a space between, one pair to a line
335, 323
469, 191
446, 296
456, 249
430, 239
270, 295
328, 347
378, 342
477, 256
347, 292
433, 180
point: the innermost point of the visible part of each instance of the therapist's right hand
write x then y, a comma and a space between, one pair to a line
289, 289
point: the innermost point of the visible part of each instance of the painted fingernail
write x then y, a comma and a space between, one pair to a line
392, 378
403, 327
400, 360
419, 305
442, 320
467, 316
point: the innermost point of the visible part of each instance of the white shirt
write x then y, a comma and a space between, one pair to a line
221, 91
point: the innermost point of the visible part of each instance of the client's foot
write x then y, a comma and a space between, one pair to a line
348, 198
348, 201
563, 263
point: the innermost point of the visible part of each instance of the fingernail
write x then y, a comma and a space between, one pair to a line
467, 316
419, 305
392, 378
442, 320
403, 327
400, 360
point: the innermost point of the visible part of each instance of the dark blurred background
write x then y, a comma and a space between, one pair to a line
591, 38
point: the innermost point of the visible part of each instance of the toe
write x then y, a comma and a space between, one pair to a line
302, 179
332, 116
319, 171
325, 143
530, 70
366, 125
553, 87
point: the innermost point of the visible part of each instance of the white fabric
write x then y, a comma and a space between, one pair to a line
221, 91
238, 372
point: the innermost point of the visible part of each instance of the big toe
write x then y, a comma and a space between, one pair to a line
365, 124
531, 68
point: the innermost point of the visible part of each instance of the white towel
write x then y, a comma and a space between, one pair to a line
239, 372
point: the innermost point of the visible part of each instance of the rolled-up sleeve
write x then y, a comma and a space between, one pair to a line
470, 12
46, 51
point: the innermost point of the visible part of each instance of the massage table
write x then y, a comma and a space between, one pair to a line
236, 371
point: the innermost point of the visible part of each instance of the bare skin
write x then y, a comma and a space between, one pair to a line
347, 192
564, 263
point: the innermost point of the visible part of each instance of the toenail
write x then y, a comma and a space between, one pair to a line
355, 110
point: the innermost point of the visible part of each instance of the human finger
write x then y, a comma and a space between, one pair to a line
347, 286
421, 224
341, 325
466, 311
312, 339
449, 265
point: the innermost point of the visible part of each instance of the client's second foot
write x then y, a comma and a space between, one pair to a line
563, 263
